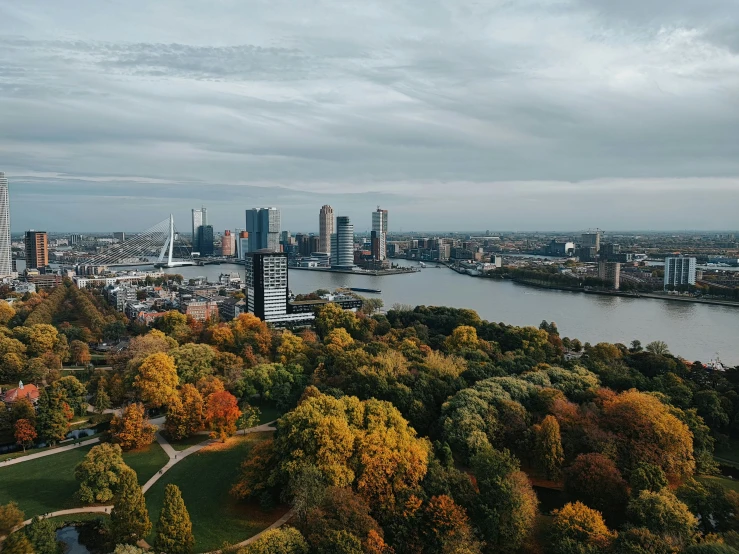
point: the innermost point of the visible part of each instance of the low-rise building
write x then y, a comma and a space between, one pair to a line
30, 392
231, 308
200, 310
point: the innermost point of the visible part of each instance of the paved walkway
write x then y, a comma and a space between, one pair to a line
48, 452
175, 457
279, 523
88, 510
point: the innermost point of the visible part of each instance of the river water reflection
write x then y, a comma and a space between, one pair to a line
694, 331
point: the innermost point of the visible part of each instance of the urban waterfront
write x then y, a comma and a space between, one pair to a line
694, 331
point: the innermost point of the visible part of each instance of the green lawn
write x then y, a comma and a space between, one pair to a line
728, 453
268, 413
205, 479
42, 485
184, 444
48, 484
147, 461
731, 484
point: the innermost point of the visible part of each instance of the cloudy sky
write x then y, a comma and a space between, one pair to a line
452, 114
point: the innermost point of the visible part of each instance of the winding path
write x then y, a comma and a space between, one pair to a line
48, 452
279, 523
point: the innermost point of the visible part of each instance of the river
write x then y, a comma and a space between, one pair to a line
694, 331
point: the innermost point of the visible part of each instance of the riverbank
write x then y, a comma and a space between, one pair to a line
370, 272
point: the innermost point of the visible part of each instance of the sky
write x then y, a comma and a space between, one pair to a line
453, 115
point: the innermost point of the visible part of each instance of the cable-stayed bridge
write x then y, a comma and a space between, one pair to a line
160, 245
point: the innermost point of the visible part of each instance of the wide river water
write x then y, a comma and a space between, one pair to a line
694, 331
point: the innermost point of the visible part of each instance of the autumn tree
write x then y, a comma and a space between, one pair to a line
663, 514
174, 529
175, 424
249, 417
221, 414
6, 312
52, 421
595, 480
10, 517
174, 325
17, 543
99, 473
75, 393
101, 400
292, 349
285, 540
250, 331
129, 519
449, 526
79, 352
24, 433
193, 361
577, 529
548, 451
156, 381
131, 429
637, 540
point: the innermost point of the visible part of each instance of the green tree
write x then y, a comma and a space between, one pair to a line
174, 529
129, 519
52, 423
548, 447
658, 347
41, 534
286, 540
637, 540
662, 513
75, 393
99, 473
647, 477
249, 417
193, 361
101, 400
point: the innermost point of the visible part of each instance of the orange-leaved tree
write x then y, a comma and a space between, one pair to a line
221, 414
25, 433
131, 429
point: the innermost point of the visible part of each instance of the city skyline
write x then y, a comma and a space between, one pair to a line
514, 116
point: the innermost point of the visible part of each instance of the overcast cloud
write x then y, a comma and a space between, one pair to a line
454, 115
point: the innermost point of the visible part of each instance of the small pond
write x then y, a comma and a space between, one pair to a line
69, 535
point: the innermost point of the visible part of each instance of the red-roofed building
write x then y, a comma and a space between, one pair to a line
23, 391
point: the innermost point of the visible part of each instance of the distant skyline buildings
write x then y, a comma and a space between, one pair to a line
6, 256
379, 233
199, 218
37, 249
342, 244
325, 228
263, 226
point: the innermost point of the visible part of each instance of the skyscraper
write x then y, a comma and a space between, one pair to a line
199, 218
228, 244
379, 226
342, 244
6, 257
37, 249
267, 291
679, 271
205, 240
263, 226
325, 228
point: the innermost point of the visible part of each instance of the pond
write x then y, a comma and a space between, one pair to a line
69, 535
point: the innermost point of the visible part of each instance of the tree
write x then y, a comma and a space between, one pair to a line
637, 540
52, 423
131, 429
647, 477
449, 527
577, 529
157, 380
286, 540
6, 312
221, 414
193, 361
99, 473
25, 433
22, 409
658, 347
17, 543
663, 514
250, 331
595, 480
176, 423
129, 519
79, 352
249, 417
10, 517
101, 400
174, 325
194, 408
41, 534
548, 447
174, 529
75, 393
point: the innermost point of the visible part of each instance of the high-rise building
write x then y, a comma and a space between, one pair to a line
263, 226
205, 240
266, 288
37, 249
75, 239
679, 271
6, 255
242, 245
199, 218
610, 272
379, 226
342, 244
589, 240
228, 244
119, 236
325, 228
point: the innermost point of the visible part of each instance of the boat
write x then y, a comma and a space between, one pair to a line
359, 289
422, 264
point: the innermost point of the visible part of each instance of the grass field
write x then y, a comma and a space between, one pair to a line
731, 484
205, 479
728, 453
268, 413
184, 444
48, 484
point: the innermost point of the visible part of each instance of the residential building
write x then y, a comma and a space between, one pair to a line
228, 244
325, 228
342, 244
610, 272
379, 226
43, 281
231, 308
199, 218
200, 310
263, 226
267, 291
679, 271
120, 296
29, 392
6, 255
205, 240
37, 249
